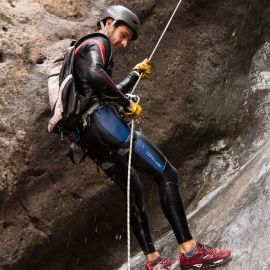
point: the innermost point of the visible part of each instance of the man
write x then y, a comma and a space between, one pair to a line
105, 138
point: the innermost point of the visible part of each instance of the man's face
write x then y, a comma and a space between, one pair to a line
119, 36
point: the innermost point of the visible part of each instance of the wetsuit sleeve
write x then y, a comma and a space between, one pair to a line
127, 84
91, 61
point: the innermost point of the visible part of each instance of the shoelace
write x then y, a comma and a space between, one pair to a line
203, 246
165, 262
206, 248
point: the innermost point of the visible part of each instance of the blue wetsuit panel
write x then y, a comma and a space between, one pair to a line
147, 153
112, 124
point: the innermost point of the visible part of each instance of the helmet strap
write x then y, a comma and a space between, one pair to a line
104, 31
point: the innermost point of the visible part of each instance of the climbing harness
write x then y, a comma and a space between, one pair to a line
131, 140
75, 136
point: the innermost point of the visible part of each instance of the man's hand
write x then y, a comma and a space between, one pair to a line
133, 111
144, 67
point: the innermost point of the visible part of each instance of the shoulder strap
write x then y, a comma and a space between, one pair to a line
100, 45
92, 38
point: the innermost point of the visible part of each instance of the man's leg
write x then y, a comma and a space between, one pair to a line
148, 159
103, 139
106, 139
138, 215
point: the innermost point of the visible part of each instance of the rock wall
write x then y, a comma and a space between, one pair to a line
199, 108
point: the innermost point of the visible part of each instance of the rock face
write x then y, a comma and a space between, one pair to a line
205, 107
235, 217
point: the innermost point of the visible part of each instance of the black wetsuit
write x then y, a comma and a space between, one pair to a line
106, 138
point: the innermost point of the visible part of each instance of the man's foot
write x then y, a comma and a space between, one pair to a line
204, 257
161, 263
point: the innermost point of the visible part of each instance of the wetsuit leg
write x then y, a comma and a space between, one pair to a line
138, 213
102, 140
113, 136
149, 159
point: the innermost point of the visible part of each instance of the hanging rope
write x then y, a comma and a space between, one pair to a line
131, 141
154, 50
128, 192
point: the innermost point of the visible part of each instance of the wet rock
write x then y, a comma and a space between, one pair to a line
232, 218
37, 58
260, 73
20, 135
67, 9
3, 127
219, 145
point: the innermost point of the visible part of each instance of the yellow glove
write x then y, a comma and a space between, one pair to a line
135, 110
144, 67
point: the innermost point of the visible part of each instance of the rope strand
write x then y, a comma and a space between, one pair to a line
154, 50
128, 191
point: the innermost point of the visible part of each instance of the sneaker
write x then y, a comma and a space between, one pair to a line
204, 257
161, 263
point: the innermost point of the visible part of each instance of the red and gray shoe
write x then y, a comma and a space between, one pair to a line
204, 257
161, 263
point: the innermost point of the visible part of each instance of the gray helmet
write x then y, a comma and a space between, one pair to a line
122, 14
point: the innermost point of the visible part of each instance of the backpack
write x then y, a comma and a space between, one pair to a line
66, 103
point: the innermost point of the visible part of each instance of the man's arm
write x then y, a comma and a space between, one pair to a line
143, 68
90, 61
126, 85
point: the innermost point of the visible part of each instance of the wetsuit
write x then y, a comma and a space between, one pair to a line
106, 139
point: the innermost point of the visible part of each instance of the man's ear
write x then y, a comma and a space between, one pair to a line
109, 22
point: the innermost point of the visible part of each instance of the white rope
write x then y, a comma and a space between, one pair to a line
131, 141
163, 33
128, 192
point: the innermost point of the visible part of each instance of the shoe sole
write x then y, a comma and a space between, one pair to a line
207, 265
174, 265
